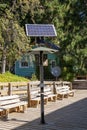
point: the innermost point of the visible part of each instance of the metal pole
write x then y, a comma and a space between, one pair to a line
42, 87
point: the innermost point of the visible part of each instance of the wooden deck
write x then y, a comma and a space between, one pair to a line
67, 114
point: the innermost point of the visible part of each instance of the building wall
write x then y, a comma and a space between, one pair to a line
23, 69
31, 68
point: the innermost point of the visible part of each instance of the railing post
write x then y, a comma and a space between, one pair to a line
54, 89
9, 89
28, 94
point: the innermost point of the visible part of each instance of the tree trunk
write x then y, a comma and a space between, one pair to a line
3, 61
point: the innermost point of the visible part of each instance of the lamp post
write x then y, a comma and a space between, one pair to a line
42, 87
41, 51
41, 30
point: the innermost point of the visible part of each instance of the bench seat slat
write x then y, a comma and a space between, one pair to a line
9, 102
13, 105
38, 98
8, 97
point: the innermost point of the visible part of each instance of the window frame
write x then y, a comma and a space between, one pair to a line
26, 66
51, 63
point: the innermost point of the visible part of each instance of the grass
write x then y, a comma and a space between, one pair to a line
9, 77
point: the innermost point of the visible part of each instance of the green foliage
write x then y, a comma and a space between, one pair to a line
68, 77
47, 73
67, 74
34, 77
9, 77
13, 41
69, 18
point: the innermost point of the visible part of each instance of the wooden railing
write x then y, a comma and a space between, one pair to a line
23, 88
79, 77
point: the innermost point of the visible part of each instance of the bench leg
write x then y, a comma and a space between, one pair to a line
54, 98
5, 114
71, 94
18, 109
66, 95
50, 98
45, 100
60, 96
34, 103
24, 108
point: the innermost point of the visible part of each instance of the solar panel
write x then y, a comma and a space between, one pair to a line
42, 30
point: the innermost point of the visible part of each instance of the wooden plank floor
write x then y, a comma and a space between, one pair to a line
67, 114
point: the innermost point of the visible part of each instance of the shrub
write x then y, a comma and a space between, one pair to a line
9, 77
34, 77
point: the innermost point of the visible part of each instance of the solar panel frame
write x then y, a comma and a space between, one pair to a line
40, 30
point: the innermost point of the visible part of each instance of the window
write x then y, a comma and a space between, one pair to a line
53, 63
24, 64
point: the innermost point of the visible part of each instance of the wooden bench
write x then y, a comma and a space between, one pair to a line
63, 90
69, 84
35, 98
11, 103
34, 95
48, 91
